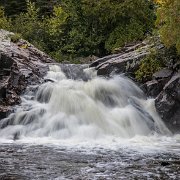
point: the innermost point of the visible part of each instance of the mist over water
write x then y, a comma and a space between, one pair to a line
83, 110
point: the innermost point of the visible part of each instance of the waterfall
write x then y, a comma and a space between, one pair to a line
75, 103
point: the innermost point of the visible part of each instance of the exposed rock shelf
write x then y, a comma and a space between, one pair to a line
20, 64
126, 61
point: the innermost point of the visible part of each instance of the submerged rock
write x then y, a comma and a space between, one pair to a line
20, 64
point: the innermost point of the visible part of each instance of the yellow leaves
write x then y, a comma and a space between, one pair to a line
166, 2
24, 46
159, 1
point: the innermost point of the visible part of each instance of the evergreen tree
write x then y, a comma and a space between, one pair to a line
13, 7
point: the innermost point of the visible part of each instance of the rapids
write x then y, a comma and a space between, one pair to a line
79, 126
66, 107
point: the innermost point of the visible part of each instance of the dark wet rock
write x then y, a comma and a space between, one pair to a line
21, 64
49, 80
4, 111
16, 136
153, 88
103, 59
74, 71
130, 47
162, 74
168, 103
165, 88
87, 60
164, 163
159, 79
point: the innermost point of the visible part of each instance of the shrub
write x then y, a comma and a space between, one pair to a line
81, 28
5, 23
168, 22
148, 66
15, 37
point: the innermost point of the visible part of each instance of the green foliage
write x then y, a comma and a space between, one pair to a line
27, 23
149, 65
16, 37
100, 27
13, 7
168, 22
16, 7
122, 35
59, 18
71, 29
5, 23
54, 27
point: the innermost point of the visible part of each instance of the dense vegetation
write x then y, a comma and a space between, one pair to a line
168, 25
168, 22
67, 29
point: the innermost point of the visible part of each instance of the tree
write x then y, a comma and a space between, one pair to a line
68, 29
13, 7
5, 23
168, 22
98, 27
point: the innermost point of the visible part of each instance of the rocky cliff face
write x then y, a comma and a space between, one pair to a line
20, 64
164, 85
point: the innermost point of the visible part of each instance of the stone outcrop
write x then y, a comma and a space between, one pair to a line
126, 61
21, 64
159, 79
168, 103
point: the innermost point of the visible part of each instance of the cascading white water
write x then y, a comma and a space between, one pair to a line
66, 108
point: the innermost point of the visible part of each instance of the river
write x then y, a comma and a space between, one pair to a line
79, 126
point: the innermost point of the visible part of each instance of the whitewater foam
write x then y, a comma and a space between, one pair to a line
76, 110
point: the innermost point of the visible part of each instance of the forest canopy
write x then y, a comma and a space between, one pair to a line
168, 22
67, 29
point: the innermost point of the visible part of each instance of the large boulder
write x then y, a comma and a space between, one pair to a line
21, 64
159, 79
168, 103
